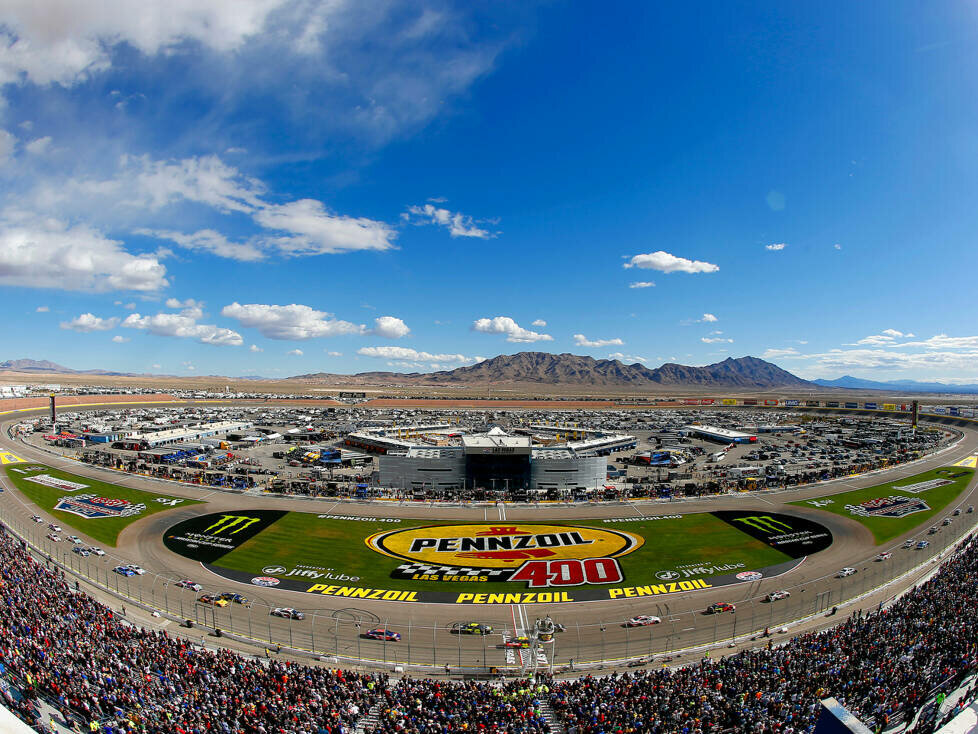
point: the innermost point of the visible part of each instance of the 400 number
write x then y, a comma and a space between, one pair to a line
568, 572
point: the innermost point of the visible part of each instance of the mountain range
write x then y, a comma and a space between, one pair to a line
859, 383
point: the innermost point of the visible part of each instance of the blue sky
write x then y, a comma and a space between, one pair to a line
275, 187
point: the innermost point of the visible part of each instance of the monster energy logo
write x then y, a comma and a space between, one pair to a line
764, 523
233, 523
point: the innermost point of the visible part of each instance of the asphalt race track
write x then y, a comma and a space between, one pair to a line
594, 629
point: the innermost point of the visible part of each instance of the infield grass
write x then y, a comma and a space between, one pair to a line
303, 538
103, 529
886, 528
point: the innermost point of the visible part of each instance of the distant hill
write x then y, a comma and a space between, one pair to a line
44, 367
572, 369
859, 383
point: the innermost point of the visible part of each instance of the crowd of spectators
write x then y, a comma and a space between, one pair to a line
62, 644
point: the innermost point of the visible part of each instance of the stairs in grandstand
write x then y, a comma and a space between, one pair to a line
548, 714
368, 720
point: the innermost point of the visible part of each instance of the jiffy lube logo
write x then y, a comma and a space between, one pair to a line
501, 545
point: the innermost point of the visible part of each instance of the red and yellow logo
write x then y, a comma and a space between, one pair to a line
501, 545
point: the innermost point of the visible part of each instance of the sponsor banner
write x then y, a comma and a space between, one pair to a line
794, 536
889, 406
357, 518
892, 506
869, 406
832, 404
792, 403
770, 402
63, 484
206, 538
750, 401
921, 486
92, 507
707, 401
728, 401
8, 458
852, 405
811, 403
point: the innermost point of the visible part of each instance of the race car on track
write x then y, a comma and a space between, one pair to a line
213, 600
236, 598
37, 518
287, 613
517, 642
956, 512
95, 550
74, 539
187, 584
83, 552
381, 634
643, 620
922, 544
778, 595
55, 528
847, 571
124, 571
472, 628
53, 537
884, 556
909, 543
720, 607
947, 521
136, 569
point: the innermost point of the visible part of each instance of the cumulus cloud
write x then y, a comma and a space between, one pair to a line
837, 246
642, 284
334, 354
887, 337
668, 263
390, 327
308, 229
255, 348
582, 341
776, 353
88, 322
715, 340
295, 353
119, 339
183, 326
708, 318
38, 146
457, 224
539, 323
407, 355
39, 252
513, 331
627, 358
776, 247
42, 309
294, 321
7, 143
208, 240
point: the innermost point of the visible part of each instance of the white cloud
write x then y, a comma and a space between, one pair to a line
38, 146
183, 326
334, 354
189, 303
886, 338
539, 323
582, 341
89, 322
40, 252
295, 321
513, 331
668, 263
310, 230
715, 340
255, 348
7, 142
775, 353
390, 327
146, 183
776, 247
642, 284
708, 318
457, 224
157, 366
626, 358
208, 240
118, 339
418, 359
837, 246
295, 353
42, 309
64, 41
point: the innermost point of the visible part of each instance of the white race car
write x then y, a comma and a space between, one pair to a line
643, 620
778, 595
847, 571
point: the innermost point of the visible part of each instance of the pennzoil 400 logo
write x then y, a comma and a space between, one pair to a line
538, 555
93, 507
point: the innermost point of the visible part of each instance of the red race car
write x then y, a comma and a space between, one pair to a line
382, 634
720, 607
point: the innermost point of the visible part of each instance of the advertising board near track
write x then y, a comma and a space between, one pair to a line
63, 484
93, 507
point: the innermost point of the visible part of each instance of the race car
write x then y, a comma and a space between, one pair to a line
186, 584
956, 512
55, 528
135, 569
778, 595
720, 607
236, 598
37, 518
124, 571
922, 544
381, 634
287, 613
885, 555
472, 628
847, 571
643, 620
213, 600
95, 550
74, 539
54, 538
909, 543
947, 521
521, 642
83, 552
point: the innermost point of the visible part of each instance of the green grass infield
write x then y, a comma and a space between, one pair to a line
80, 502
888, 518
